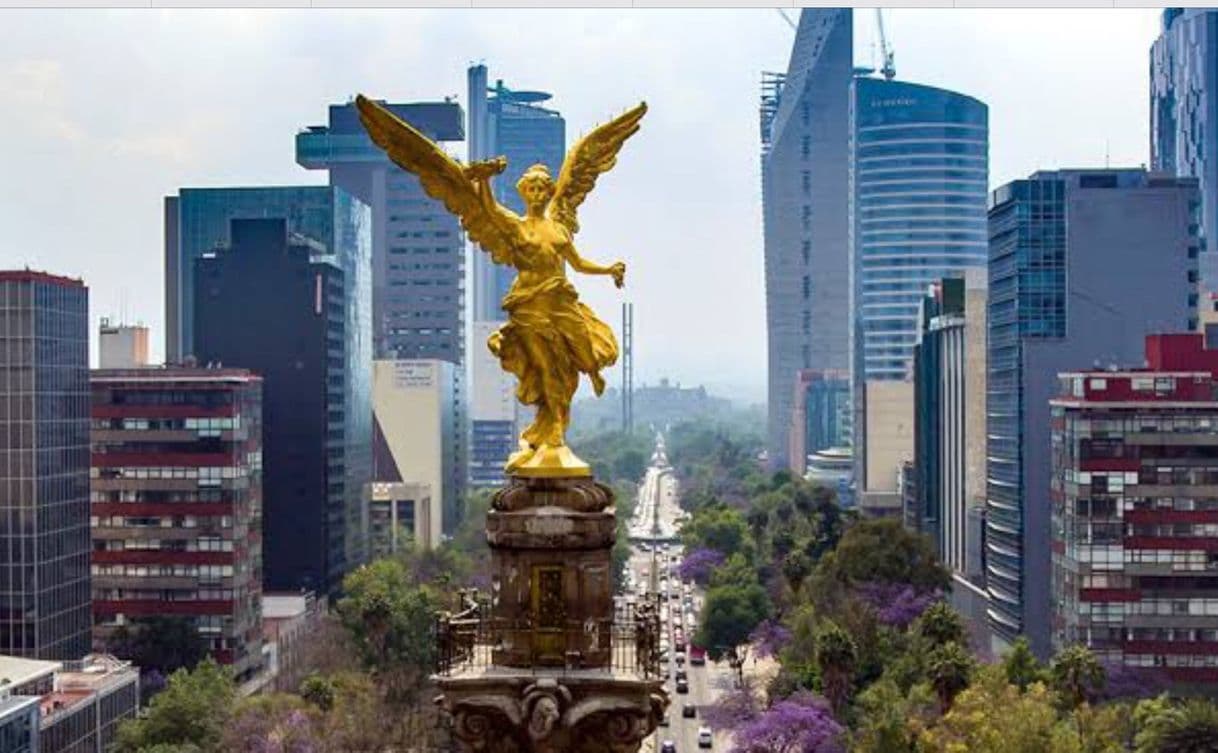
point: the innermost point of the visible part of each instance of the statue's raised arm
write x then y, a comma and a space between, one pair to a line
464, 190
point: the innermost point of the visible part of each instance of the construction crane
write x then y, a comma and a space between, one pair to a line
887, 67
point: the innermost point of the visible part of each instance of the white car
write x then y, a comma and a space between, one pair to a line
705, 739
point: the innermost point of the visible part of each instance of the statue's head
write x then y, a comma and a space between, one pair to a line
536, 186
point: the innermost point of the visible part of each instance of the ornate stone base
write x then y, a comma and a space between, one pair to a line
530, 713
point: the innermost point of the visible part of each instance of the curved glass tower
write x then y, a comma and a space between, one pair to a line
918, 183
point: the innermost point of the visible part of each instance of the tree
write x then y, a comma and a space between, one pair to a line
698, 564
881, 549
950, 668
940, 625
194, 709
799, 724
729, 615
1076, 675
836, 655
719, 528
737, 571
992, 716
1021, 666
162, 643
896, 605
278, 723
795, 568
319, 691
390, 622
889, 720
1169, 727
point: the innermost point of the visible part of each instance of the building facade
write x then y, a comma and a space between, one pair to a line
804, 181
398, 510
121, 346
277, 305
949, 414
176, 504
44, 466
1134, 516
492, 411
1083, 264
1184, 114
918, 182
415, 435
418, 248
508, 123
820, 416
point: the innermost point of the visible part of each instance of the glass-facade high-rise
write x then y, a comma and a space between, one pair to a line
804, 181
508, 123
44, 466
334, 225
918, 188
1184, 115
1082, 265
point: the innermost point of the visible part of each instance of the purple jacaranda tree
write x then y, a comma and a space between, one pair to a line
698, 565
271, 729
896, 605
769, 638
1132, 683
801, 723
732, 710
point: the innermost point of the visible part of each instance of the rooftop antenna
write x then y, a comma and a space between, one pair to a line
888, 66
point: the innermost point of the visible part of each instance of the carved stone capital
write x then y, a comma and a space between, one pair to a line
527, 714
575, 494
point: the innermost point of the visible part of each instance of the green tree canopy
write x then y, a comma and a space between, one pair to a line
882, 550
729, 616
192, 710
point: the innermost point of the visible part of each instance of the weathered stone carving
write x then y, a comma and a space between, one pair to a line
575, 494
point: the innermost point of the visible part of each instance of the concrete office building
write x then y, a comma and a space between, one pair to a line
507, 123
78, 705
918, 182
418, 248
44, 466
1083, 264
804, 180
278, 305
176, 505
415, 436
121, 346
1184, 114
1135, 522
492, 411
949, 414
398, 509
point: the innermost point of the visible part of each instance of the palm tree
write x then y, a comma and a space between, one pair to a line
941, 625
1076, 675
1191, 727
950, 670
1021, 666
836, 655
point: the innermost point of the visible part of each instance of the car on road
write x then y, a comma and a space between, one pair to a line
689, 711
681, 676
682, 686
668, 746
664, 721
705, 739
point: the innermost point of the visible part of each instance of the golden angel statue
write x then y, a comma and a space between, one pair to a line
550, 338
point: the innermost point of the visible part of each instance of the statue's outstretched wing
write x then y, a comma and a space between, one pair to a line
595, 153
443, 178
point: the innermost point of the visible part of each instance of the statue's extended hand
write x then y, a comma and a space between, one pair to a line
618, 270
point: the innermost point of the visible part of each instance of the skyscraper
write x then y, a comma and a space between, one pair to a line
418, 249
336, 225
1184, 115
804, 180
176, 502
918, 172
508, 123
44, 466
277, 305
1082, 265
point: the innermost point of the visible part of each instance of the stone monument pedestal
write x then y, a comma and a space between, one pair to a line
551, 665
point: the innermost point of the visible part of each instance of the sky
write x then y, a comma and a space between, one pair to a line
107, 112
